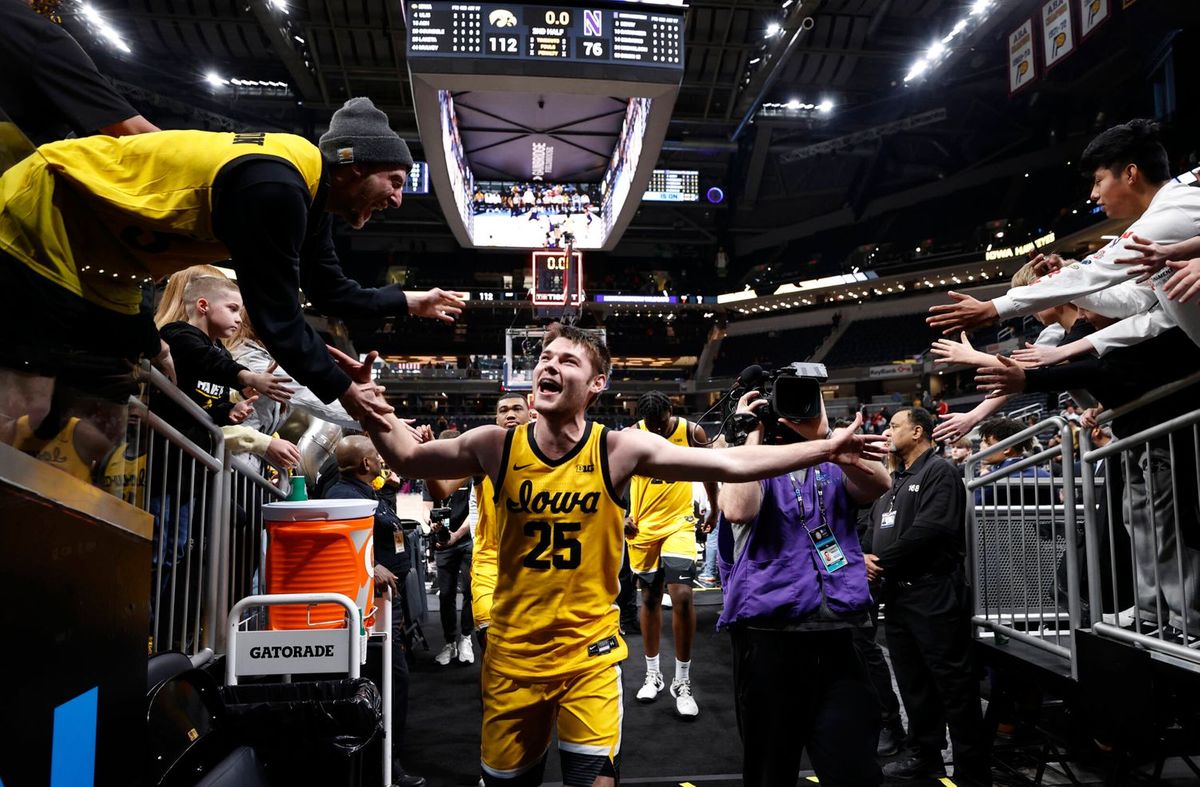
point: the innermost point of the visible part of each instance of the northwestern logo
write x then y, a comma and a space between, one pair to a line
552, 502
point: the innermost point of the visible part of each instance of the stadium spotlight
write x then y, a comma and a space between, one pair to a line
773, 30
215, 79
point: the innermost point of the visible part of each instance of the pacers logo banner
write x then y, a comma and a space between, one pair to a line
1021, 70
1057, 37
1091, 14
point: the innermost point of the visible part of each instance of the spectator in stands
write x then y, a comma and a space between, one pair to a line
1010, 490
360, 467
1166, 548
267, 215
51, 87
1131, 181
453, 546
797, 682
206, 371
919, 545
1062, 325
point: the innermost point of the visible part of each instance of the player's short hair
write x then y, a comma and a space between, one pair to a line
921, 417
593, 346
1135, 142
1000, 428
507, 396
653, 405
207, 287
1024, 276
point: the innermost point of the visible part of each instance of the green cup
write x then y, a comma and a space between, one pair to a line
299, 488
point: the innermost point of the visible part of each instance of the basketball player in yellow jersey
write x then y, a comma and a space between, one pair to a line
662, 552
511, 412
554, 642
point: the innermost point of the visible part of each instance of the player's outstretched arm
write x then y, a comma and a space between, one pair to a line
644, 454
466, 456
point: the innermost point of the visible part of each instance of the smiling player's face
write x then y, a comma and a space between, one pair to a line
563, 380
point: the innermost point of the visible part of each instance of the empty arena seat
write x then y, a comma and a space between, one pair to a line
881, 340
774, 348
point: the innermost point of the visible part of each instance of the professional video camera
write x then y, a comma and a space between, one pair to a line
792, 392
441, 516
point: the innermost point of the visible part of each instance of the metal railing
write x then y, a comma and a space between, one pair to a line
1114, 544
206, 504
1021, 525
1152, 500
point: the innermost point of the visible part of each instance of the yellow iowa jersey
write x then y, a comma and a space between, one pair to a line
59, 450
483, 554
660, 507
133, 207
559, 528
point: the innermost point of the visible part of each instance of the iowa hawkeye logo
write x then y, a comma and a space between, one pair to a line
530, 502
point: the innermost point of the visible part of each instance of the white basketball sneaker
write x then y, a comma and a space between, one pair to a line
650, 689
448, 652
466, 652
685, 704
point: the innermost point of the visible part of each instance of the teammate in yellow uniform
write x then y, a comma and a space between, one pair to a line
554, 642
84, 222
511, 412
662, 552
75, 448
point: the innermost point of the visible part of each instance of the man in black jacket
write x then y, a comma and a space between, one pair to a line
264, 201
359, 464
919, 546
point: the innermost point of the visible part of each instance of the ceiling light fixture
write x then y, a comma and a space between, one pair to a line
102, 26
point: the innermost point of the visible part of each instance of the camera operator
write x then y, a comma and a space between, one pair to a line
919, 542
359, 468
452, 553
795, 587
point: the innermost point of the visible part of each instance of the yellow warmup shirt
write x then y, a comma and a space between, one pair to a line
59, 450
661, 507
483, 554
559, 528
133, 207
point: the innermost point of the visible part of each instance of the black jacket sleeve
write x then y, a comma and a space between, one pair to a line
334, 293
260, 212
937, 524
1077, 374
202, 358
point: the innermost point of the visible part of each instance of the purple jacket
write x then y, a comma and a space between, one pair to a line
779, 577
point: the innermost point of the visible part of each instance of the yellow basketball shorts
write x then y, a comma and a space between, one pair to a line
520, 716
673, 554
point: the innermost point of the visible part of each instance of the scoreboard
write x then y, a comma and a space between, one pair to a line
557, 278
673, 185
644, 36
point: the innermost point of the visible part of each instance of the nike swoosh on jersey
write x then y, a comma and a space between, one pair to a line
519, 468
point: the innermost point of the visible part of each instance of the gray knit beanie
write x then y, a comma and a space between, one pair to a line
359, 134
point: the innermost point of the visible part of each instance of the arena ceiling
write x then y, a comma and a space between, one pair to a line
787, 177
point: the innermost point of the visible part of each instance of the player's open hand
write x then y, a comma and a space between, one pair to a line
1004, 380
848, 447
962, 315
1031, 356
366, 403
436, 304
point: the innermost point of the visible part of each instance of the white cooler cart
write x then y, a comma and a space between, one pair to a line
336, 647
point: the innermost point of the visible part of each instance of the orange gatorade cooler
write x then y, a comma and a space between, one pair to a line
320, 546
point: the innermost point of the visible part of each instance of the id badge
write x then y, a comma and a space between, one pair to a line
828, 548
888, 520
398, 540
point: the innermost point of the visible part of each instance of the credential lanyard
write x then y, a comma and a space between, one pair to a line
826, 544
